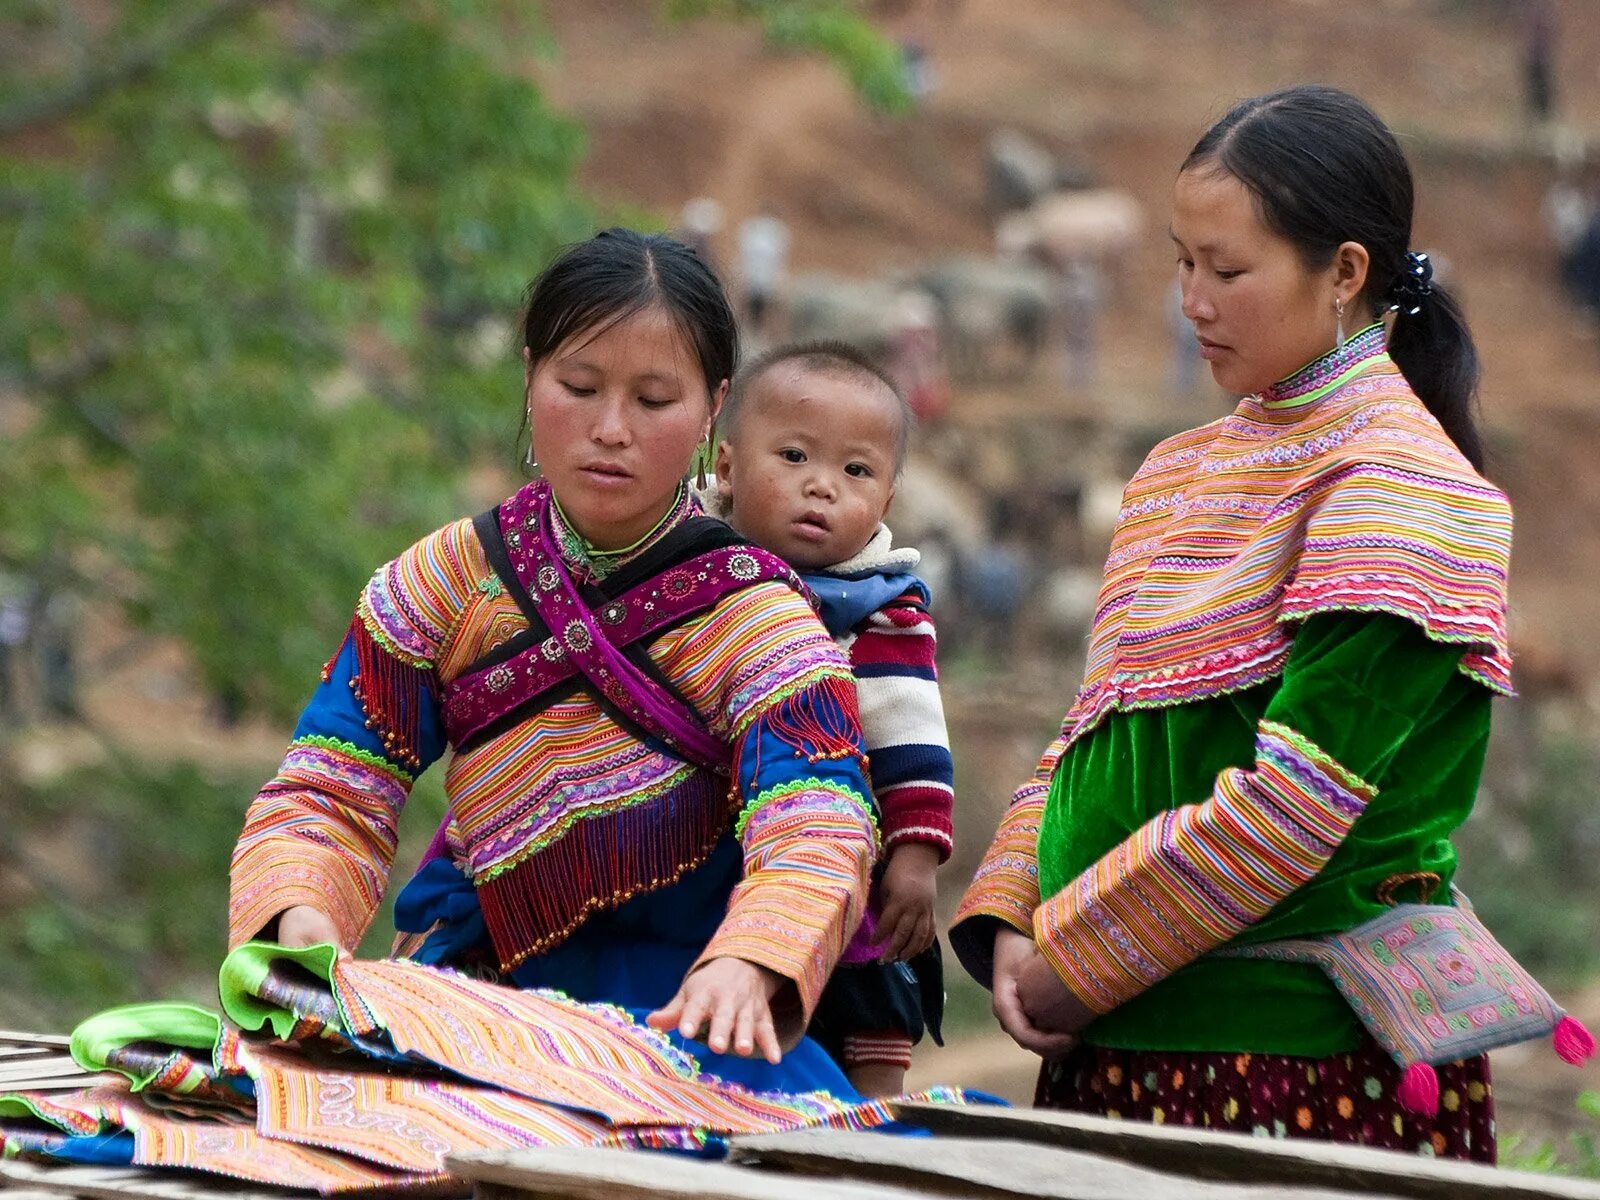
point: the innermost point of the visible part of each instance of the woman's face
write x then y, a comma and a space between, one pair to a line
1259, 313
616, 417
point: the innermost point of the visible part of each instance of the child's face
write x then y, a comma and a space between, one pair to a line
809, 467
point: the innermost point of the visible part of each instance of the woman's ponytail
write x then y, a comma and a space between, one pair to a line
1433, 348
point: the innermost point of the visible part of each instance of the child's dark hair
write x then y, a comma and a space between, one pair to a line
1325, 170
825, 356
620, 272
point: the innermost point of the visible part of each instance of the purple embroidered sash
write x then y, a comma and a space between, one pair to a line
589, 643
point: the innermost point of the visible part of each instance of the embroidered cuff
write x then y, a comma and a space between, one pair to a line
1005, 888
918, 812
1193, 879
809, 848
1006, 884
272, 875
877, 1049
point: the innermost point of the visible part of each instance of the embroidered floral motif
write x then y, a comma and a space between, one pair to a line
552, 650
613, 613
577, 636
547, 578
500, 678
743, 566
677, 584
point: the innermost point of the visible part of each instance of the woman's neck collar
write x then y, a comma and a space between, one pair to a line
580, 552
1327, 373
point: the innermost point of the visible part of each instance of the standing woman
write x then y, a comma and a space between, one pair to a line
655, 779
1286, 706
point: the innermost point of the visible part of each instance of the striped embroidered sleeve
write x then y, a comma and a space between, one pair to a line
1005, 888
322, 832
902, 720
1192, 879
806, 825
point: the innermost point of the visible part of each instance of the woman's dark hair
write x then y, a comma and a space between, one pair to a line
620, 272
1325, 170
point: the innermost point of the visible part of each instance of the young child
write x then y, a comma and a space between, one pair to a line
812, 440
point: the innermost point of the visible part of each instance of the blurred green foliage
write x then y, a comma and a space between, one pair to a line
257, 301
262, 265
1527, 862
1578, 1154
114, 882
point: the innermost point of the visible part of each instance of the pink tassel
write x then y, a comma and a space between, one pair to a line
1419, 1090
1574, 1042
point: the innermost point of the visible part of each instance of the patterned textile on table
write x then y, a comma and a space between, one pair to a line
1350, 1098
110, 1126
344, 1075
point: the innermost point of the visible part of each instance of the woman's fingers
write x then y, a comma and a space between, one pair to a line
744, 1030
767, 1034
723, 1014
696, 1008
1008, 1011
666, 1018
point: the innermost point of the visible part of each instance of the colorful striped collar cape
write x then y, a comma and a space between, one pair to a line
1334, 490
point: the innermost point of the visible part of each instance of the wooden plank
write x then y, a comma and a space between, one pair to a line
39, 1068
577, 1174
1232, 1157
987, 1167
10, 1052
44, 1068
73, 1083
129, 1183
53, 1040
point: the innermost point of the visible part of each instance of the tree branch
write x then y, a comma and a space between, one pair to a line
139, 62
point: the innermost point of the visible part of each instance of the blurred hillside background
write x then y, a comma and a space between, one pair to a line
261, 264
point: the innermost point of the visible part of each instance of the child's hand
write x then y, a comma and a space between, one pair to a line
908, 888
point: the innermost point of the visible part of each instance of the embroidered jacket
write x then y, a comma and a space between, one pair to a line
532, 805
1335, 491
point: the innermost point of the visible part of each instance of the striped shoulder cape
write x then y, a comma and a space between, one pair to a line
1334, 490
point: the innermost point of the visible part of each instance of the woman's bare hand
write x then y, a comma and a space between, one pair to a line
730, 998
1014, 954
303, 925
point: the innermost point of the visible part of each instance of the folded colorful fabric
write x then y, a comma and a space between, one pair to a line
339, 1076
109, 1125
534, 1043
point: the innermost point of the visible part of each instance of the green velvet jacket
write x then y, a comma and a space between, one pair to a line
1375, 694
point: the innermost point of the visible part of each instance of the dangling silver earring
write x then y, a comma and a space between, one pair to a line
701, 453
528, 458
1338, 308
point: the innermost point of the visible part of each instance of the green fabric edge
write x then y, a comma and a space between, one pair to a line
172, 1023
244, 971
19, 1104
